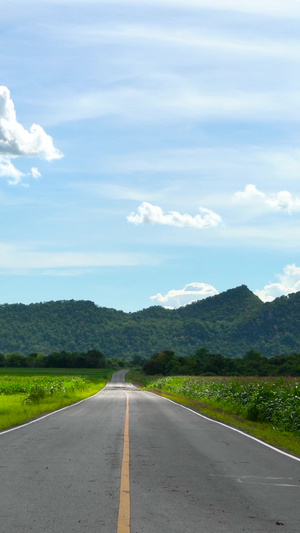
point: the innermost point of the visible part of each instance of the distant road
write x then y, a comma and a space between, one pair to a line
127, 461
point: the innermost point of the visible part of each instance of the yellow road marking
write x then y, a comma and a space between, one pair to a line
124, 506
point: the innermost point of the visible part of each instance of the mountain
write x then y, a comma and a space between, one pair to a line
230, 323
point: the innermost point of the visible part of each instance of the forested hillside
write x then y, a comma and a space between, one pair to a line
230, 323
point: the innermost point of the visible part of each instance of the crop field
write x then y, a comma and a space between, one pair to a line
260, 400
266, 408
25, 395
36, 388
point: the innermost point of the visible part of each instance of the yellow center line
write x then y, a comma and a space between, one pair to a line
124, 506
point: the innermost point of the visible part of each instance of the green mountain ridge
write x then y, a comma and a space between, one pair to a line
230, 323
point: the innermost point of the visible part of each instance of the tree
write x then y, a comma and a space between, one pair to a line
255, 364
159, 363
16, 360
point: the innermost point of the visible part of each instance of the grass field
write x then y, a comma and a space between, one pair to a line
27, 393
267, 408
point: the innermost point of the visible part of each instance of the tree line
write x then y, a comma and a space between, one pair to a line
203, 362
90, 359
166, 363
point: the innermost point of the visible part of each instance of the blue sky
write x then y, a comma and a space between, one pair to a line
149, 150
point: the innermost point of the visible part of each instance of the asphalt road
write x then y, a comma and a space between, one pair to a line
62, 473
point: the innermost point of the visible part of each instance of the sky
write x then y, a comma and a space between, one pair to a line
149, 150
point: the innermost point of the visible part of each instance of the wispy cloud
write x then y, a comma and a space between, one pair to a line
16, 257
224, 161
190, 293
163, 99
16, 141
153, 214
285, 164
178, 36
134, 192
114, 190
289, 282
272, 8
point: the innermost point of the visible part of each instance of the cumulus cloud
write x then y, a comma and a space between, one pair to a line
153, 214
249, 194
190, 293
281, 201
288, 282
16, 141
284, 201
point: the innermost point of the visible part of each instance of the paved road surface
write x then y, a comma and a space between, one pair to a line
62, 474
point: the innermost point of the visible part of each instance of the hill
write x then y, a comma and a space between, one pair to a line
230, 323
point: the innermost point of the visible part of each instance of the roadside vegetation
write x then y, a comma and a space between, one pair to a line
259, 400
27, 393
267, 408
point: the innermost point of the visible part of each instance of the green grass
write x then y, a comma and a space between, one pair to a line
28, 393
266, 408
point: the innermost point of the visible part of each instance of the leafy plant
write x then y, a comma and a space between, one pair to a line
275, 401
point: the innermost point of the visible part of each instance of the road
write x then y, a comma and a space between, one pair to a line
128, 461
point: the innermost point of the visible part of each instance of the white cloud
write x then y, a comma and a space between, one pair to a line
284, 201
289, 282
8, 170
35, 173
16, 141
190, 293
249, 194
153, 214
281, 201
